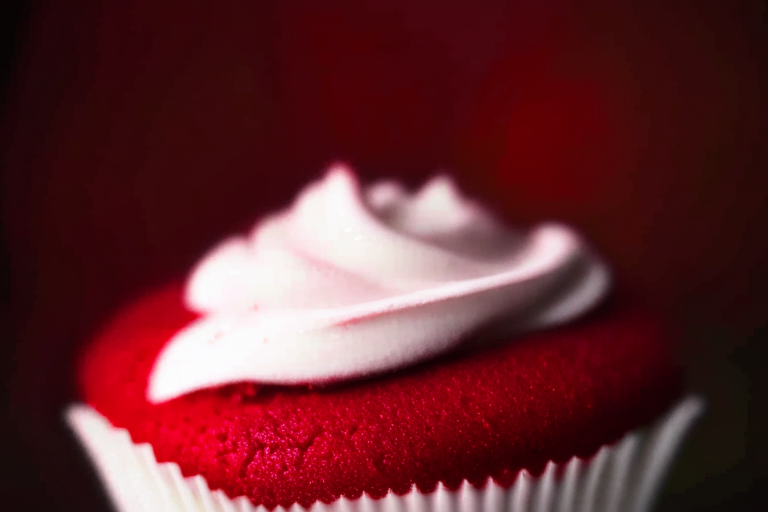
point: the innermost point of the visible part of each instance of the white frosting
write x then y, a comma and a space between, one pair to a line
348, 283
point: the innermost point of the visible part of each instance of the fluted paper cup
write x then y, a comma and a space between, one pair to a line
623, 477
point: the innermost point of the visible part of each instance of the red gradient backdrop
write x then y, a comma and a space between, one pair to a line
136, 134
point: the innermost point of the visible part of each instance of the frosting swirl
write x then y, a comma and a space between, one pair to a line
350, 282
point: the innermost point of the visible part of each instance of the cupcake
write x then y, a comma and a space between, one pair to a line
375, 349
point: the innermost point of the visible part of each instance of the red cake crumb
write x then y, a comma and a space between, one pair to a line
472, 415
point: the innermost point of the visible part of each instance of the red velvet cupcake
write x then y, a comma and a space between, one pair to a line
371, 349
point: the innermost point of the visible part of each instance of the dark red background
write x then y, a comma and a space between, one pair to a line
135, 135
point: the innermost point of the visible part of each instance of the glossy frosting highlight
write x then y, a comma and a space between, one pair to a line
350, 282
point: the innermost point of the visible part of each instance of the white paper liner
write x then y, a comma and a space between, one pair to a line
624, 477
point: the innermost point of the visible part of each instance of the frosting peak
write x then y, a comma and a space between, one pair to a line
350, 282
